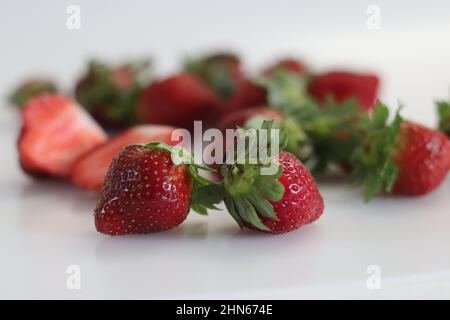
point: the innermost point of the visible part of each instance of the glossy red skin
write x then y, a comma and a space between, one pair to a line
423, 159
345, 85
143, 192
178, 101
302, 202
247, 95
291, 65
240, 117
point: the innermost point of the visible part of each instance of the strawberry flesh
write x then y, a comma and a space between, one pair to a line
55, 132
90, 170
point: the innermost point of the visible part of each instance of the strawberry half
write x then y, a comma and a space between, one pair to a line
55, 132
148, 189
89, 170
178, 101
342, 86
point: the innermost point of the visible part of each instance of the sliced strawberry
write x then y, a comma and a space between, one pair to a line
342, 85
90, 170
55, 132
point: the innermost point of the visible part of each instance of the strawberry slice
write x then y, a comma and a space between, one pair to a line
55, 132
90, 170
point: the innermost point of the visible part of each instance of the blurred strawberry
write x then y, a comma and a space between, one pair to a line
242, 117
29, 89
110, 93
247, 95
221, 72
178, 101
342, 85
288, 64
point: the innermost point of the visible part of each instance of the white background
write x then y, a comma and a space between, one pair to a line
44, 227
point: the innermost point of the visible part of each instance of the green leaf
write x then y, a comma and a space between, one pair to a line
229, 204
246, 211
262, 207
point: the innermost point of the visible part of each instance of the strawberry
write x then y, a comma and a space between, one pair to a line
178, 101
342, 85
275, 202
241, 117
248, 94
221, 72
288, 64
401, 158
422, 158
109, 93
443, 108
55, 132
148, 188
31, 88
90, 169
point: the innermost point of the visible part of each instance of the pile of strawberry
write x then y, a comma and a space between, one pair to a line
332, 121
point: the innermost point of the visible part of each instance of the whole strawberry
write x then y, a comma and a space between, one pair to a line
422, 158
343, 85
221, 72
147, 189
178, 101
110, 93
401, 158
273, 202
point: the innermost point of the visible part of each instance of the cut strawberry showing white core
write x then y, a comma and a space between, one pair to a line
55, 132
90, 170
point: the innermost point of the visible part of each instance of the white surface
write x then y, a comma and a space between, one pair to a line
45, 227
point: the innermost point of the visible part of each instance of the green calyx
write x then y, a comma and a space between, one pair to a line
373, 161
443, 109
103, 88
205, 193
247, 188
30, 89
216, 71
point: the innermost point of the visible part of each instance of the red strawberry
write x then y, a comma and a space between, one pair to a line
240, 117
178, 101
89, 170
55, 132
274, 203
423, 159
342, 85
145, 191
221, 72
110, 93
247, 95
401, 157
291, 65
